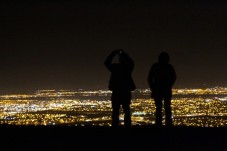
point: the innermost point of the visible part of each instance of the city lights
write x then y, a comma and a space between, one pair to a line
190, 107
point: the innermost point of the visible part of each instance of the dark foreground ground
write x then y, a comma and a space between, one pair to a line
52, 138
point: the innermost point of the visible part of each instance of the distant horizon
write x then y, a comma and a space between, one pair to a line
2, 92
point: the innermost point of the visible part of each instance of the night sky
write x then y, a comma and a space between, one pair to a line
63, 44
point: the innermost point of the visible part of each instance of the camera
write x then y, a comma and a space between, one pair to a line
120, 51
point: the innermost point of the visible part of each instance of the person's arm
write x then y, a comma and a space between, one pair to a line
174, 76
108, 61
150, 78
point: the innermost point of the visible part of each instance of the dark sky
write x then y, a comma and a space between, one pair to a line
62, 45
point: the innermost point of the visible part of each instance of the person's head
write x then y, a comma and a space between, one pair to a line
121, 58
118, 59
163, 58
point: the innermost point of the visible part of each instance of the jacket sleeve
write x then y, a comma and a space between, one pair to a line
173, 76
108, 61
150, 78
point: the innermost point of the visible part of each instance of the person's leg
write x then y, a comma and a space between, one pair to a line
126, 101
168, 112
115, 109
127, 114
158, 113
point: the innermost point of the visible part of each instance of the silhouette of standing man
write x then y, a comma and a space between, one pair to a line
161, 78
121, 84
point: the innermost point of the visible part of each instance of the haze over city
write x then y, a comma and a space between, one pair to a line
63, 45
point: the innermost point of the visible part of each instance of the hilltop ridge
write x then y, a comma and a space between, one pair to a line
108, 138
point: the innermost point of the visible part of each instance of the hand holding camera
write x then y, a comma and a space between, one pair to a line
118, 51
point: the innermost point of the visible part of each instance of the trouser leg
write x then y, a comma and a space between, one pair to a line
127, 114
168, 112
115, 113
158, 113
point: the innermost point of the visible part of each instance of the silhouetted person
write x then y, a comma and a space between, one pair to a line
161, 78
121, 84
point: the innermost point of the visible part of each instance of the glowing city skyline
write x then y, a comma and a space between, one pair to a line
190, 107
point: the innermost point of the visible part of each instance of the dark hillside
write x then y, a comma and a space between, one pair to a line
42, 138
